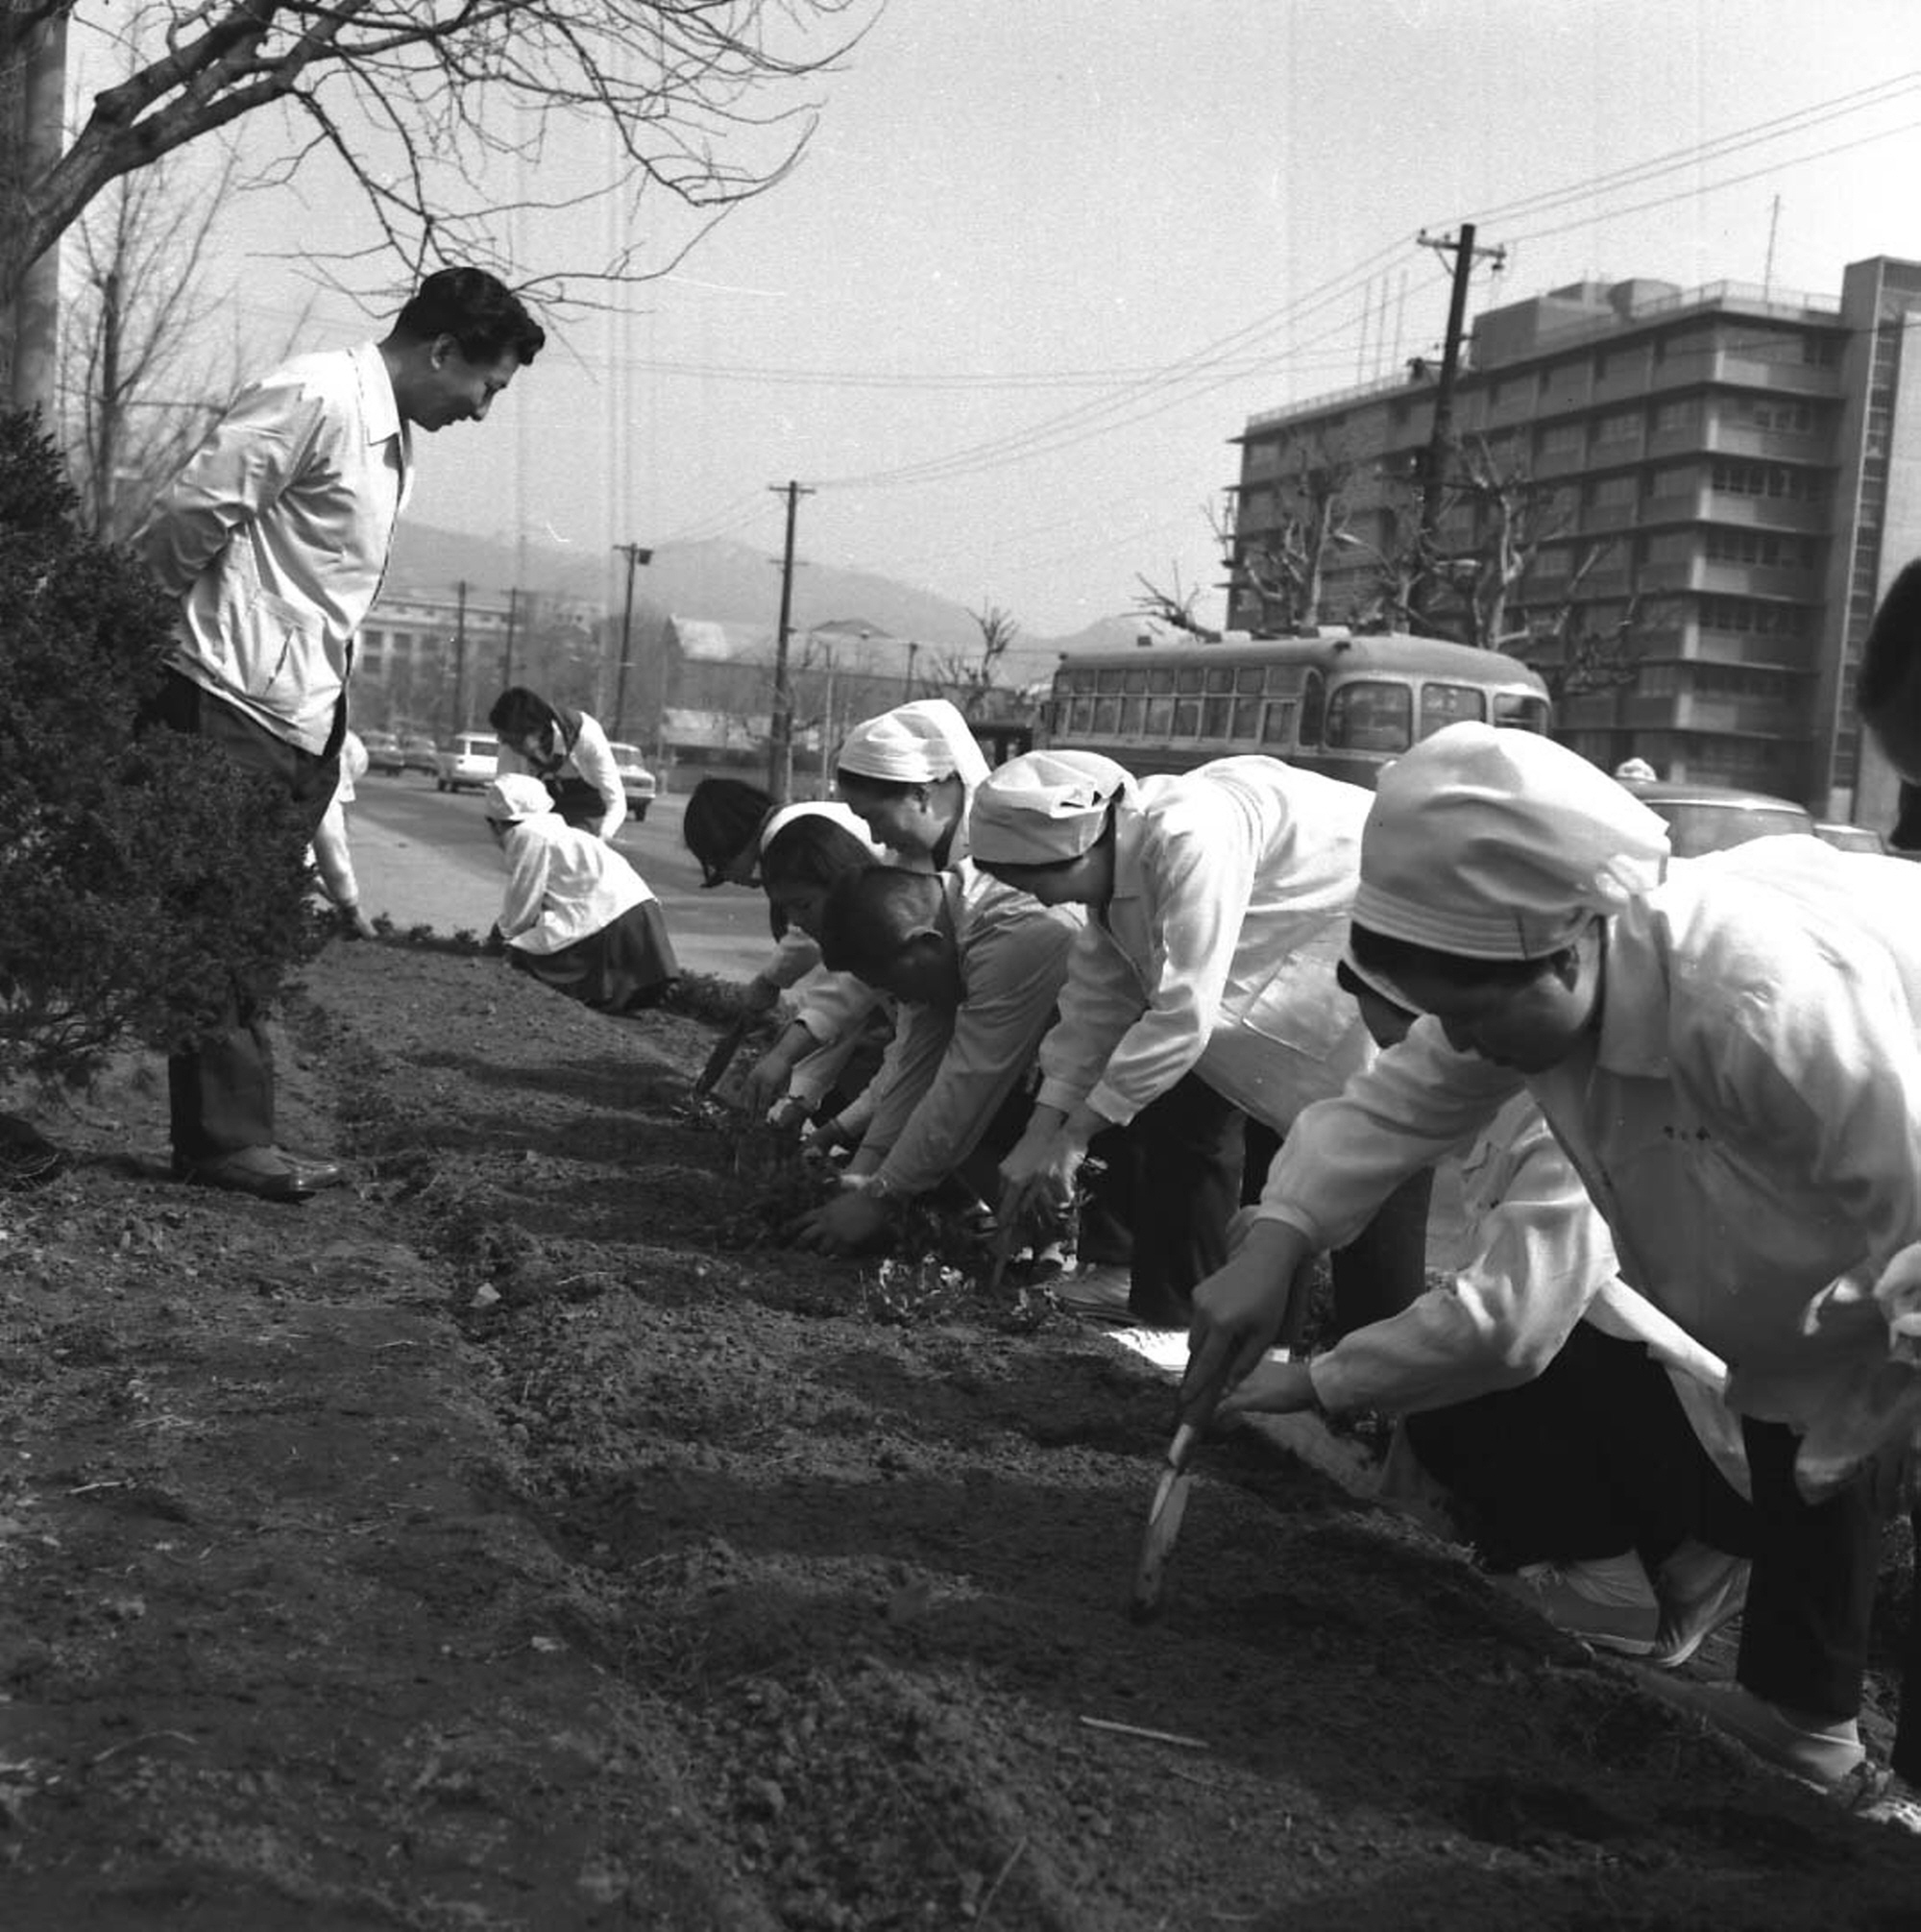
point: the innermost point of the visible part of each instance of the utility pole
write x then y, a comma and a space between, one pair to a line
1434, 467
780, 740
636, 554
508, 652
460, 657
33, 103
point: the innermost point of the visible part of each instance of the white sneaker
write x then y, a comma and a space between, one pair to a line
1700, 1589
1605, 1600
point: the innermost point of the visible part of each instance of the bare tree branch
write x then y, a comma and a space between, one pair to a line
416, 99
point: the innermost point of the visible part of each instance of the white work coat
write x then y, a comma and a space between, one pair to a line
1216, 953
1747, 1117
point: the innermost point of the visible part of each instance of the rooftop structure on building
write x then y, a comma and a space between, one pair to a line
1734, 476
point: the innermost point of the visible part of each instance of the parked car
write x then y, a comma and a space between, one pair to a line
636, 780
384, 752
420, 753
468, 763
1711, 818
1852, 838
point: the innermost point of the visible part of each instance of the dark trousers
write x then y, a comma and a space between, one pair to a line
1195, 1157
1380, 1271
221, 1089
1592, 1458
1805, 1632
1183, 1155
1906, 1756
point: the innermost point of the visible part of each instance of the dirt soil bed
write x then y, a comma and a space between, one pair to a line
497, 1543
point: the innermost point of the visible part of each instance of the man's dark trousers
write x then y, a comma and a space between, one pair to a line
221, 1089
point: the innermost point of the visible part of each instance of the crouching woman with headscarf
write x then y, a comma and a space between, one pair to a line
575, 915
1729, 1051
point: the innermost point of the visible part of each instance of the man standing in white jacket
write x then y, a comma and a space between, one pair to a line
274, 538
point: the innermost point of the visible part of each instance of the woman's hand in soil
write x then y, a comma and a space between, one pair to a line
766, 1079
849, 1222
1272, 1388
1237, 1313
1041, 1166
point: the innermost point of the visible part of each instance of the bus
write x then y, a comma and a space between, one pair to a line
1337, 703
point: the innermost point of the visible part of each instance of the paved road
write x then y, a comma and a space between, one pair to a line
425, 858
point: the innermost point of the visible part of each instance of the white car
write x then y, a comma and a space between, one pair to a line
636, 780
466, 761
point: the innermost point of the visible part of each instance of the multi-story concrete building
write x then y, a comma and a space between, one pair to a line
1737, 473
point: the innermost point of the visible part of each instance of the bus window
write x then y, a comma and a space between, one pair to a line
1283, 680
1159, 716
1371, 715
1442, 705
1520, 711
1220, 679
1186, 718
1313, 705
1216, 714
1248, 679
1132, 681
1160, 678
1187, 678
1107, 716
1247, 720
1278, 726
1108, 680
1131, 715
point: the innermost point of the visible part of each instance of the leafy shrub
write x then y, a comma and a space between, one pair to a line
143, 874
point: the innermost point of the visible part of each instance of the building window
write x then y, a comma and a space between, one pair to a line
1619, 426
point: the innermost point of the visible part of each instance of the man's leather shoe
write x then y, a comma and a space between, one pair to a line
261, 1171
315, 1173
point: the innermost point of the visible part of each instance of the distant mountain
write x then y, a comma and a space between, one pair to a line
734, 583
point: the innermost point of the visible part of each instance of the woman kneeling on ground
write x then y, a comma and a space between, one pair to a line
577, 916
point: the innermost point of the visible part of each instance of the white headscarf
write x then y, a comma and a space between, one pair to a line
917, 744
516, 796
844, 816
1498, 844
1042, 809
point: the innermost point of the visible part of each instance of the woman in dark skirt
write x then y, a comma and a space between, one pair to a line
577, 916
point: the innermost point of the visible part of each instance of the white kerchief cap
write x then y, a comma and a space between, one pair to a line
1042, 809
844, 816
516, 796
1498, 844
917, 744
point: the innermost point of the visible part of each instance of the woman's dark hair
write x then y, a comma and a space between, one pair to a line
483, 315
878, 788
1356, 987
722, 820
1393, 958
521, 713
811, 850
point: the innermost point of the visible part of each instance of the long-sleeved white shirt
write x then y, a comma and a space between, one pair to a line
1747, 1118
589, 757
956, 1065
276, 533
563, 885
1232, 885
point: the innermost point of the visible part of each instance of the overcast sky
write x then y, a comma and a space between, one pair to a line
1045, 258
